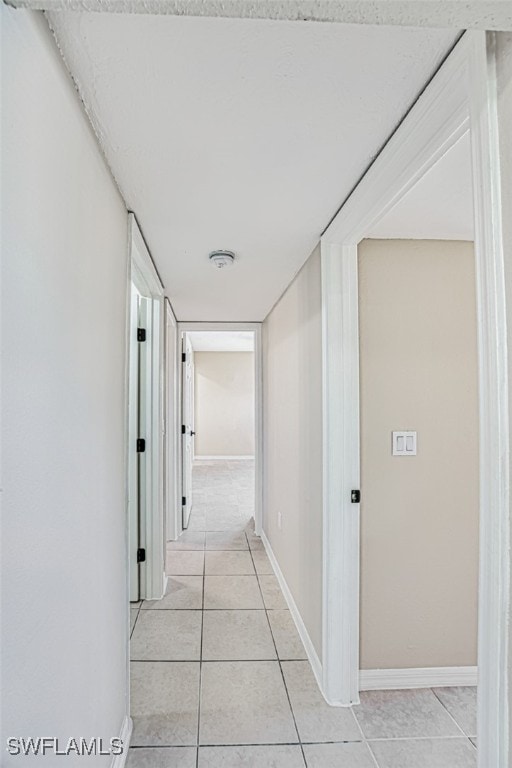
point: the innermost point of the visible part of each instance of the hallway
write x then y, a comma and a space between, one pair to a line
218, 664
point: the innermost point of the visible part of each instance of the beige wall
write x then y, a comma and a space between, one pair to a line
504, 75
292, 364
419, 515
224, 403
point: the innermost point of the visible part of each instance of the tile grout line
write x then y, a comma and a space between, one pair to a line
277, 656
139, 608
450, 714
417, 738
201, 657
363, 737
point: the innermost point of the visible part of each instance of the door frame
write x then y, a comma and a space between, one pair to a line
187, 425
184, 327
145, 277
171, 410
461, 97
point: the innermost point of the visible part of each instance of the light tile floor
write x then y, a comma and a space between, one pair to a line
220, 677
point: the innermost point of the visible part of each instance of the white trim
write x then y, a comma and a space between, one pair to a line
422, 677
171, 423
184, 327
119, 761
297, 618
494, 577
141, 257
434, 124
223, 458
432, 127
145, 277
340, 354
437, 120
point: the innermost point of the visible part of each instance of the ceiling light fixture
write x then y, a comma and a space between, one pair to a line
222, 259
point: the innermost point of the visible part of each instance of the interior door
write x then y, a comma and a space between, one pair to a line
187, 429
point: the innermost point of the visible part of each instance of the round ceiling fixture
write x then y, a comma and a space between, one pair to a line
222, 259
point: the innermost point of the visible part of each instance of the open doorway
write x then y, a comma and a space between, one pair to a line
462, 96
219, 430
419, 488
220, 427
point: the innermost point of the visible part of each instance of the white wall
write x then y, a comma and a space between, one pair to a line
504, 75
64, 277
419, 514
224, 403
292, 407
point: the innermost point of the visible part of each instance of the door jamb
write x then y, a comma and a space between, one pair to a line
460, 97
183, 327
171, 411
145, 276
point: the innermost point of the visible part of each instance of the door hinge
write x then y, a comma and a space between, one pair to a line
183, 501
141, 334
355, 497
183, 357
141, 445
141, 555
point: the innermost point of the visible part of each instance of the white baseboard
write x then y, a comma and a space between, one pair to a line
301, 629
422, 677
119, 761
223, 458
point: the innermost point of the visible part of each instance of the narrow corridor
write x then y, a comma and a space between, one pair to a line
220, 677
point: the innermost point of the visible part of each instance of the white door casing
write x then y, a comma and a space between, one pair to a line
461, 96
187, 390
133, 419
149, 423
171, 445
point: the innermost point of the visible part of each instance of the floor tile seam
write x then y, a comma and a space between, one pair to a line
281, 668
450, 714
229, 661
139, 608
210, 609
201, 661
418, 738
208, 745
279, 662
360, 728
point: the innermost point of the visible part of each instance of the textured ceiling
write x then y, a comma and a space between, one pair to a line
238, 134
455, 14
439, 206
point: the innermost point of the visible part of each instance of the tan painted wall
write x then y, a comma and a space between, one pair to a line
504, 74
419, 515
224, 403
292, 363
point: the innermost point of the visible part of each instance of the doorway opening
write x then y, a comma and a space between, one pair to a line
220, 427
461, 97
218, 431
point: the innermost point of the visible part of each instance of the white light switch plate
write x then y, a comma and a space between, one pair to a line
404, 443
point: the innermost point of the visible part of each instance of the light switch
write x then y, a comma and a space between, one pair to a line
404, 443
